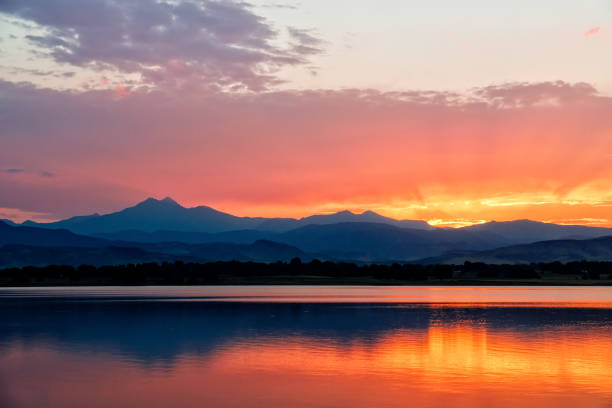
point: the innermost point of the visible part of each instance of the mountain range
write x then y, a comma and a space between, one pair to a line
154, 215
163, 230
564, 250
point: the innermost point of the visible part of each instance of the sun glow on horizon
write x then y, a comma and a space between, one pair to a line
451, 213
274, 120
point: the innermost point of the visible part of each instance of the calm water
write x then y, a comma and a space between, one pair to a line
306, 347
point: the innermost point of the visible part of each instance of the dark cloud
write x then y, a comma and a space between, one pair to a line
305, 42
206, 43
42, 173
523, 94
305, 37
39, 72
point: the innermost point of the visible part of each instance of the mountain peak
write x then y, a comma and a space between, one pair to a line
169, 200
369, 212
344, 212
5, 223
527, 221
155, 202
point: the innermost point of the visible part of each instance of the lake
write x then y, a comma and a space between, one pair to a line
306, 346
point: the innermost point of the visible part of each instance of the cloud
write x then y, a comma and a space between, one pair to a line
521, 94
38, 72
42, 173
305, 43
592, 31
166, 125
297, 150
204, 44
121, 90
304, 37
280, 6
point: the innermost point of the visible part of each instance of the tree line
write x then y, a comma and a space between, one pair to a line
295, 271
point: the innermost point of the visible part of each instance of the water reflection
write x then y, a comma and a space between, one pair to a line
191, 354
467, 295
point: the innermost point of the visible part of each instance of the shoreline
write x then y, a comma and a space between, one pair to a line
276, 282
313, 273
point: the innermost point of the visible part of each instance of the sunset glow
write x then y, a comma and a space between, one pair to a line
304, 204
458, 366
274, 119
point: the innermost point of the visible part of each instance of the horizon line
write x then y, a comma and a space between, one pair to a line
454, 223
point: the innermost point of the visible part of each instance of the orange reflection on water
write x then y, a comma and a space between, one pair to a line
433, 296
445, 365
460, 354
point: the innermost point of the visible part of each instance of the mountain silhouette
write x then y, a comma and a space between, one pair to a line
565, 250
352, 241
67, 223
171, 231
526, 231
13, 255
9, 222
153, 215
381, 242
24, 255
23, 246
286, 224
45, 238
236, 237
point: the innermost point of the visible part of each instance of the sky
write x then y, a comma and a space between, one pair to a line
452, 112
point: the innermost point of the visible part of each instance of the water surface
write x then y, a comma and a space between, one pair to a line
296, 346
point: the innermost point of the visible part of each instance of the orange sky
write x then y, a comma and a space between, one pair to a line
537, 151
96, 124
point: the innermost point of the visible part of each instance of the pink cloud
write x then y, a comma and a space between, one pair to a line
215, 43
592, 31
121, 90
308, 149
